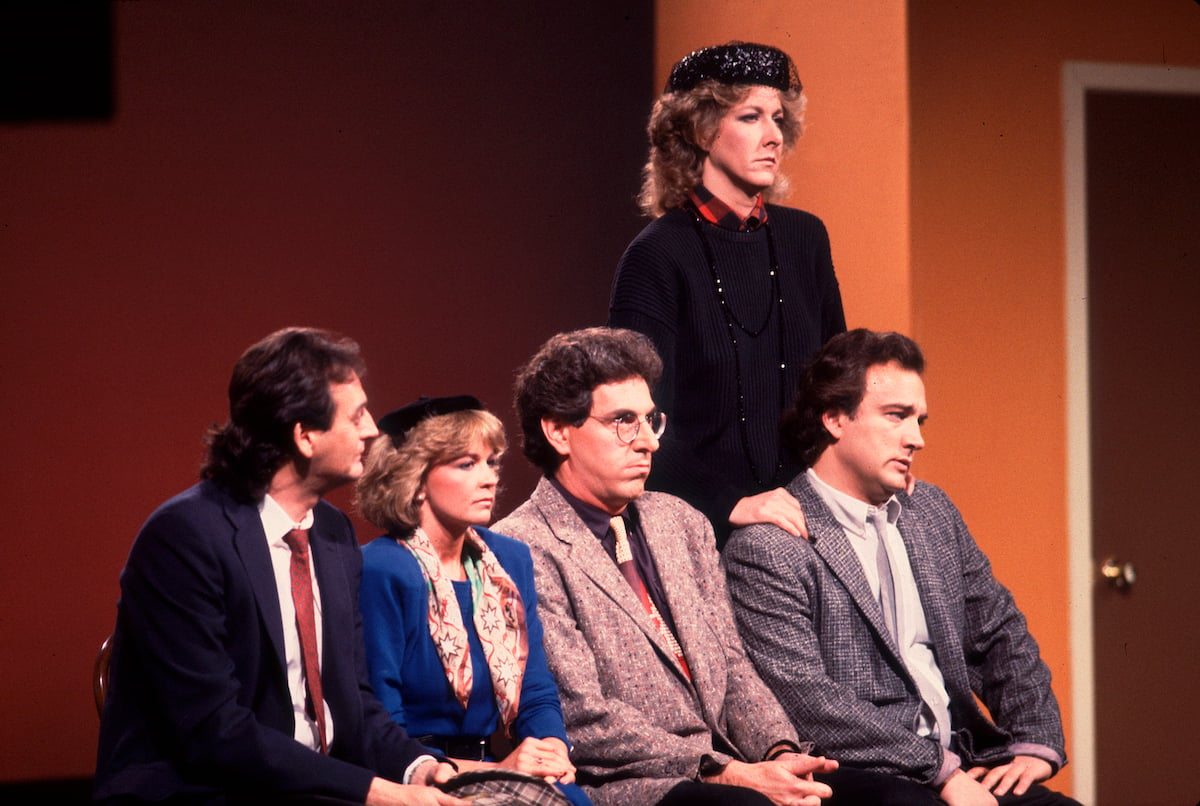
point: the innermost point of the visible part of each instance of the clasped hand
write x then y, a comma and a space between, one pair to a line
547, 758
980, 786
788, 780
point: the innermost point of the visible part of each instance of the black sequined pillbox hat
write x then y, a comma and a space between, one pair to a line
396, 424
735, 63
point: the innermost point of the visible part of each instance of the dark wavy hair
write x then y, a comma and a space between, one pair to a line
557, 383
836, 380
280, 381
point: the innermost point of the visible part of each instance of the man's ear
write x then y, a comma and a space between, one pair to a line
834, 422
303, 437
556, 434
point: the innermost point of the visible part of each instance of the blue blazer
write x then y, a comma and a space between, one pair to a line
405, 670
407, 673
198, 701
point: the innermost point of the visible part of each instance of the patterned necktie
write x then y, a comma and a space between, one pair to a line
302, 597
629, 571
887, 587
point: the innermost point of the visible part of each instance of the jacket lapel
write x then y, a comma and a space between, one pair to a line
831, 544
589, 555
250, 542
675, 569
929, 573
334, 600
337, 611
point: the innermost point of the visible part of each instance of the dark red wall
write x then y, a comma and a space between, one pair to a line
449, 183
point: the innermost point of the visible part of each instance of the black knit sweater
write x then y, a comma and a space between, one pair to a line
665, 289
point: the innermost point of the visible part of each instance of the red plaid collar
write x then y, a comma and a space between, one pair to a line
718, 213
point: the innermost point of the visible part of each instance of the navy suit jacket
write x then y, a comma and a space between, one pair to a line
198, 701
816, 634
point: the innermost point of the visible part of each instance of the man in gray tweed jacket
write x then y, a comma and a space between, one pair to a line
662, 705
879, 632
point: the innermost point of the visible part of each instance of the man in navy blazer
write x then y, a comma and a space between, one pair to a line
208, 700
878, 633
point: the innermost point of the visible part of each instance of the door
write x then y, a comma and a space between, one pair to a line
1143, 300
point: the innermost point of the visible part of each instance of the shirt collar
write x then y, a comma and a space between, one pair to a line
277, 523
718, 213
851, 513
595, 519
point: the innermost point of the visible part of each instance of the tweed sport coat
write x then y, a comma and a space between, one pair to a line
638, 726
816, 634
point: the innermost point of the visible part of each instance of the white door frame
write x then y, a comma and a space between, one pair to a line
1078, 78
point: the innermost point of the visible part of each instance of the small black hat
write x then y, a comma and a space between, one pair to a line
396, 424
735, 63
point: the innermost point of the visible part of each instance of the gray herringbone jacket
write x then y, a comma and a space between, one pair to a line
637, 725
816, 635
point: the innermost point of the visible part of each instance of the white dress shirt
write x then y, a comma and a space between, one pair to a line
916, 647
276, 523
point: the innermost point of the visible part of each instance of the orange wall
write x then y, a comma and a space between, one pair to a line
448, 188
934, 154
429, 186
988, 261
850, 167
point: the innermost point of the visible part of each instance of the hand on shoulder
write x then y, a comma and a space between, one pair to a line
776, 506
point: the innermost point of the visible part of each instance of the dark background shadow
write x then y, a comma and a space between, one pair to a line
448, 183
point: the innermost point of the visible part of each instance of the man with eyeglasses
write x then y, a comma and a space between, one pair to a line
661, 704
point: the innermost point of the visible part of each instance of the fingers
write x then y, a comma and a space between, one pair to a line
1021, 774
997, 779
432, 772
442, 799
442, 773
802, 764
547, 758
1017, 775
820, 790
776, 506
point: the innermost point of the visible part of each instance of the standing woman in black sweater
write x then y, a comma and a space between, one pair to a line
736, 292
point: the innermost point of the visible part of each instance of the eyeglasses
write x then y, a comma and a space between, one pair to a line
629, 425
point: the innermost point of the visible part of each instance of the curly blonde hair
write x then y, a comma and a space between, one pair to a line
683, 124
386, 493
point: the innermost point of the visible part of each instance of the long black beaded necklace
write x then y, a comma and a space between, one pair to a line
733, 324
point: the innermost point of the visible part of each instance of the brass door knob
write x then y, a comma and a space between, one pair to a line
1118, 574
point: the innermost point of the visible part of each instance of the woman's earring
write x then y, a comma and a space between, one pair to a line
421, 497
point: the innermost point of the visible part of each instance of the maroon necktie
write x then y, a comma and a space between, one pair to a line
302, 597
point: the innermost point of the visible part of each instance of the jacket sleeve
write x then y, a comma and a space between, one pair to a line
1004, 664
381, 601
753, 718
387, 748
176, 593
775, 586
611, 738
540, 715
